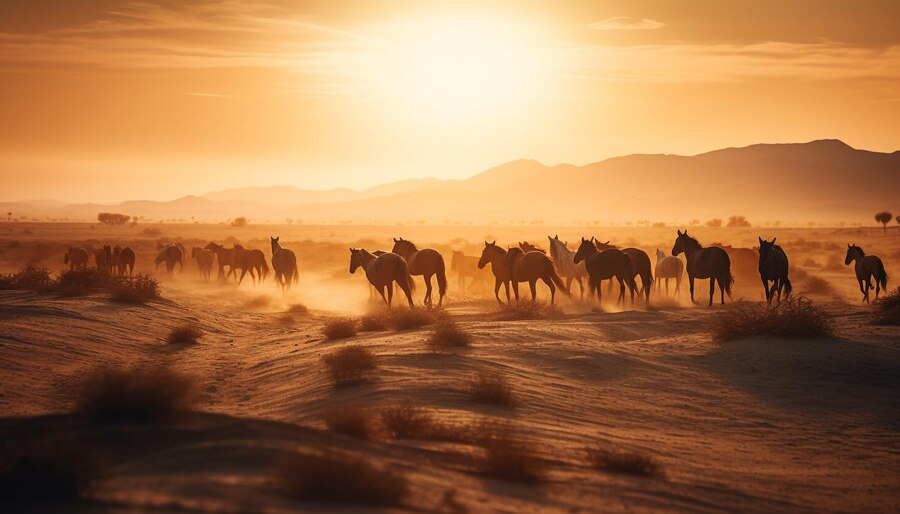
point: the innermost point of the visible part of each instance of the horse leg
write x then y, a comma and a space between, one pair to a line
765, 284
580, 288
427, 290
621, 299
406, 291
552, 287
515, 287
532, 284
390, 292
497, 290
380, 290
877, 288
712, 290
691, 280
508, 299
667, 287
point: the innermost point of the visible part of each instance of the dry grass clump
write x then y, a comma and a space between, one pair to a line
80, 282
29, 279
185, 334
137, 289
353, 421
527, 309
374, 321
46, 469
148, 394
339, 328
507, 455
603, 458
448, 335
349, 365
341, 478
493, 389
406, 421
409, 319
792, 317
887, 308
817, 285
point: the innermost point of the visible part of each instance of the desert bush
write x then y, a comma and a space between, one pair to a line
46, 469
149, 394
351, 421
185, 334
339, 328
507, 455
349, 365
527, 309
409, 319
298, 309
816, 285
491, 388
603, 458
29, 279
448, 335
792, 317
341, 478
887, 308
406, 421
374, 321
137, 289
79, 282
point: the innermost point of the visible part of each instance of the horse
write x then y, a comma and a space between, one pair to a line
382, 271
564, 259
604, 265
425, 262
284, 263
531, 267
170, 255
640, 264
867, 267
668, 267
496, 256
204, 260
104, 259
250, 260
225, 257
76, 257
465, 266
123, 260
528, 247
712, 263
773, 265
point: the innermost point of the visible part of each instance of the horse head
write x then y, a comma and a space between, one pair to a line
490, 249
853, 252
275, 245
355, 259
660, 254
683, 243
585, 249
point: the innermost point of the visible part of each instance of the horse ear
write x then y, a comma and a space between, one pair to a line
773, 240
760, 240
485, 243
395, 240
679, 232
848, 246
494, 242
607, 242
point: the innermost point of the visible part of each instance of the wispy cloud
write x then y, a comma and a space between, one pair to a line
626, 23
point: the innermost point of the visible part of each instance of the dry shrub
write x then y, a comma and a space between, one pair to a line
298, 309
349, 366
149, 394
353, 421
80, 282
341, 478
46, 469
527, 309
406, 421
258, 302
409, 319
339, 328
448, 335
508, 455
374, 321
792, 317
29, 279
603, 458
185, 334
887, 308
491, 388
137, 289
817, 285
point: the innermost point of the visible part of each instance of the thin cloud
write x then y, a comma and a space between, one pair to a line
627, 23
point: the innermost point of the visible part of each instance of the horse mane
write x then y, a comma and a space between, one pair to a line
410, 243
693, 239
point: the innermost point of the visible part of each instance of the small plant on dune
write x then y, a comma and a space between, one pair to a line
527, 309
341, 478
353, 421
887, 308
793, 317
508, 455
349, 365
29, 279
447, 335
137, 289
409, 319
374, 321
491, 388
185, 334
339, 328
603, 458
80, 282
46, 469
406, 420
150, 394
298, 309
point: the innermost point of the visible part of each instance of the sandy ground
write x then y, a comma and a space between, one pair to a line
758, 425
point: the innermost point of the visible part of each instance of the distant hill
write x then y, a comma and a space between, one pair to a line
824, 180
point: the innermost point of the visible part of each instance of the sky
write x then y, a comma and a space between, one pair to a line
104, 100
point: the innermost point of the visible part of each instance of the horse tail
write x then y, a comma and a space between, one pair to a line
404, 270
729, 281
557, 280
296, 277
442, 278
881, 275
788, 287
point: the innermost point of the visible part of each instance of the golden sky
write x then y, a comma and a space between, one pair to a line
104, 100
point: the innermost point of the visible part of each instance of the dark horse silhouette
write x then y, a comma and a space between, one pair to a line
867, 267
640, 266
496, 256
712, 263
604, 265
773, 265
382, 271
531, 267
425, 262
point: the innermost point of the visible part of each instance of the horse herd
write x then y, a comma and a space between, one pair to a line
592, 262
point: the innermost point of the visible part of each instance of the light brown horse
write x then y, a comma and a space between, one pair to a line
204, 260
123, 260
250, 260
640, 263
606, 265
668, 267
867, 267
76, 257
466, 266
225, 257
425, 262
171, 255
284, 263
712, 263
382, 272
531, 267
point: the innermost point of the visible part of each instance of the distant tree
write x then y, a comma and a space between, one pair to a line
884, 217
240, 221
112, 218
738, 222
715, 222
9, 216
